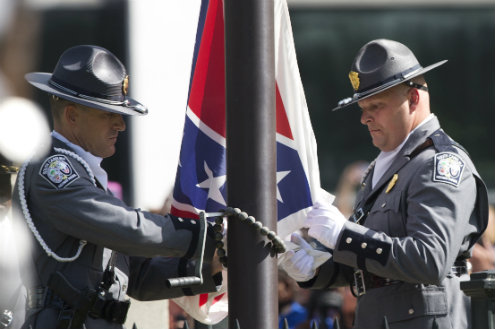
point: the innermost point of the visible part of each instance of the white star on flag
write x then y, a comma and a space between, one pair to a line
213, 184
281, 175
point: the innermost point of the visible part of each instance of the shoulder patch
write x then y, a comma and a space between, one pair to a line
448, 168
58, 171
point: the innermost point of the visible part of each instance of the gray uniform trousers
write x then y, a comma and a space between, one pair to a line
421, 221
66, 207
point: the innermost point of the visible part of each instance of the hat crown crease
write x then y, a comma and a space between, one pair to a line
101, 76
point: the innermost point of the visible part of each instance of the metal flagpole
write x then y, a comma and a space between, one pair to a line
251, 160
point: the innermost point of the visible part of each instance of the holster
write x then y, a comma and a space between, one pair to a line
81, 303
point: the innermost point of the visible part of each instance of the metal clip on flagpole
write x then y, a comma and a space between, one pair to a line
198, 278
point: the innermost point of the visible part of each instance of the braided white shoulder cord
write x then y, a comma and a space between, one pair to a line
29, 219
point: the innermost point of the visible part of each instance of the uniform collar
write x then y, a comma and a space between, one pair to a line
412, 141
420, 133
93, 161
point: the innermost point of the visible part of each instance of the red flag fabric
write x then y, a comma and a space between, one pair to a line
201, 175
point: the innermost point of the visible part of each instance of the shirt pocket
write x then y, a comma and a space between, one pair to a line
386, 215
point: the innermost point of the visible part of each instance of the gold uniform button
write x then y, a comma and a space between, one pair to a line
348, 240
363, 245
379, 251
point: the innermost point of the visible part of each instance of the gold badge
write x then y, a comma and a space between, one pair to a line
125, 85
353, 76
392, 183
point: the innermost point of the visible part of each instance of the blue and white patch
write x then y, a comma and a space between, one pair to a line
448, 168
58, 171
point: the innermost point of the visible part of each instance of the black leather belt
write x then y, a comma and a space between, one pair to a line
110, 310
364, 280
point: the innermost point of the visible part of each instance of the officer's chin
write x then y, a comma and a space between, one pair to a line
108, 152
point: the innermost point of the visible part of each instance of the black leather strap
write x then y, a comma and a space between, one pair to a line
361, 213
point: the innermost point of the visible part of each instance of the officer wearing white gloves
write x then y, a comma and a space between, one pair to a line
421, 208
325, 222
299, 262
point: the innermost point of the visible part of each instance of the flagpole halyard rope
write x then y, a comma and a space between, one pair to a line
277, 247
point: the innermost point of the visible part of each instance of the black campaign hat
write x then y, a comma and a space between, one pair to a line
90, 76
379, 65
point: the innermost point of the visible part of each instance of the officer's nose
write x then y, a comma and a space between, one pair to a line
119, 123
365, 117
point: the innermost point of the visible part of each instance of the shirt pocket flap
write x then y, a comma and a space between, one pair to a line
417, 302
387, 202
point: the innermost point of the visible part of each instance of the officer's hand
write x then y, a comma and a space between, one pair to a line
216, 266
299, 264
325, 222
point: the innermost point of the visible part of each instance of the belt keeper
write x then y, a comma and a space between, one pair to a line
359, 283
38, 297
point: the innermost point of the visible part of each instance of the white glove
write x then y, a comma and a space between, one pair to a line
298, 263
325, 222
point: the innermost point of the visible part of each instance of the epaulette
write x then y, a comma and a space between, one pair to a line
443, 143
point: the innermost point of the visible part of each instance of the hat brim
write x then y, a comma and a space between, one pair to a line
360, 96
41, 81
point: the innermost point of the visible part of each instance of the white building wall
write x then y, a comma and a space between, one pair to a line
162, 35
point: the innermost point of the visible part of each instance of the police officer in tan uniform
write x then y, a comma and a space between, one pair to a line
421, 207
91, 250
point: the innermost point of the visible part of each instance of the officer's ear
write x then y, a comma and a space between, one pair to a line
70, 114
413, 98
